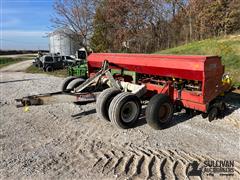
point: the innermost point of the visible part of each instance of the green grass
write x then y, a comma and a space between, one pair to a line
227, 47
58, 73
5, 61
28, 56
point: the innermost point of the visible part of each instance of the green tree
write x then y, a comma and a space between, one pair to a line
99, 41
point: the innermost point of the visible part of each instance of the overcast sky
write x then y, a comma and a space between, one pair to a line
25, 23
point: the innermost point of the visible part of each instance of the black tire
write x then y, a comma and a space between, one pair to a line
222, 110
204, 115
223, 106
189, 112
66, 82
159, 111
103, 102
49, 69
124, 110
75, 83
213, 113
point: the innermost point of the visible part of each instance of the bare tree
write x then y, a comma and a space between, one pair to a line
76, 16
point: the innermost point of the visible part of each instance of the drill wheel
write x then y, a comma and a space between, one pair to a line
213, 113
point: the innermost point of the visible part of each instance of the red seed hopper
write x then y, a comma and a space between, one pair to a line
192, 81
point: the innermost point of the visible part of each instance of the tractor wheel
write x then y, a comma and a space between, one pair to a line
212, 114
49, 69
75, 83
159, 111
124, 110
103, 102
66, 82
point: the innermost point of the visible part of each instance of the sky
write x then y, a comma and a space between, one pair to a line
25, 24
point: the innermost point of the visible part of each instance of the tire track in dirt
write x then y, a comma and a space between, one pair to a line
136, 162
139, 163
107, 160
130, 161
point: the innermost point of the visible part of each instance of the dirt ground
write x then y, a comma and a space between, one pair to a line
69, 141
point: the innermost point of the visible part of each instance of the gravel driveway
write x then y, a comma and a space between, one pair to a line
17, 67
68, 141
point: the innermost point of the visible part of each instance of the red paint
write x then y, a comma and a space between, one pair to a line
207, 69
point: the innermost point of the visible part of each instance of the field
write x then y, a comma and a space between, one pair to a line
228, 48
6, 60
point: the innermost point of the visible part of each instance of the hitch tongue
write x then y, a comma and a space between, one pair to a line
28, 101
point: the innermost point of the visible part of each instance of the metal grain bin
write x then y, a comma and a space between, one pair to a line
60, 41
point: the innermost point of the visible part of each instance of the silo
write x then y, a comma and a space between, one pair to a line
61, 42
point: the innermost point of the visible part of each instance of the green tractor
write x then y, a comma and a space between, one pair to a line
81, 69
79, 73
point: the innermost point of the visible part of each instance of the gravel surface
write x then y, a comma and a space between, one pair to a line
69, 141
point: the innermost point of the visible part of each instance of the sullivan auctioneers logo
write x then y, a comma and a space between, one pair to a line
211, 168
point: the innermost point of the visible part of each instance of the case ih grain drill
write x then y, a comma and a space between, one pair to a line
170, 83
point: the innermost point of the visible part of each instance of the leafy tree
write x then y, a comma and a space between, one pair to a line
76, 16
146, 25
99, 41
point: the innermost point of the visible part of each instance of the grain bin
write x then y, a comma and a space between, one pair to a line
61, 41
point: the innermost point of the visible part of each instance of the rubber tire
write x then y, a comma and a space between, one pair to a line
114, 111
190, 112
49, 69
66, 82
152, 111
103, 102
222, 110
213, 113
204, 115
75, 83
40, 65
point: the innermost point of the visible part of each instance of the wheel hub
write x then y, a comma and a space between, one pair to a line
164, 111
129, 111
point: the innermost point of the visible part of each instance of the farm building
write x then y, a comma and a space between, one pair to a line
61, 41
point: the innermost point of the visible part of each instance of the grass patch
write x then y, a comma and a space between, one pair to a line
228, 48
28, 56
58, 73
5, 61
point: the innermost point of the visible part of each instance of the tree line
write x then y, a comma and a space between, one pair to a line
145, 26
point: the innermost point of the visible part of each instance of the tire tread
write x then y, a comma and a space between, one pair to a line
153, 110
114, 109
102, 99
